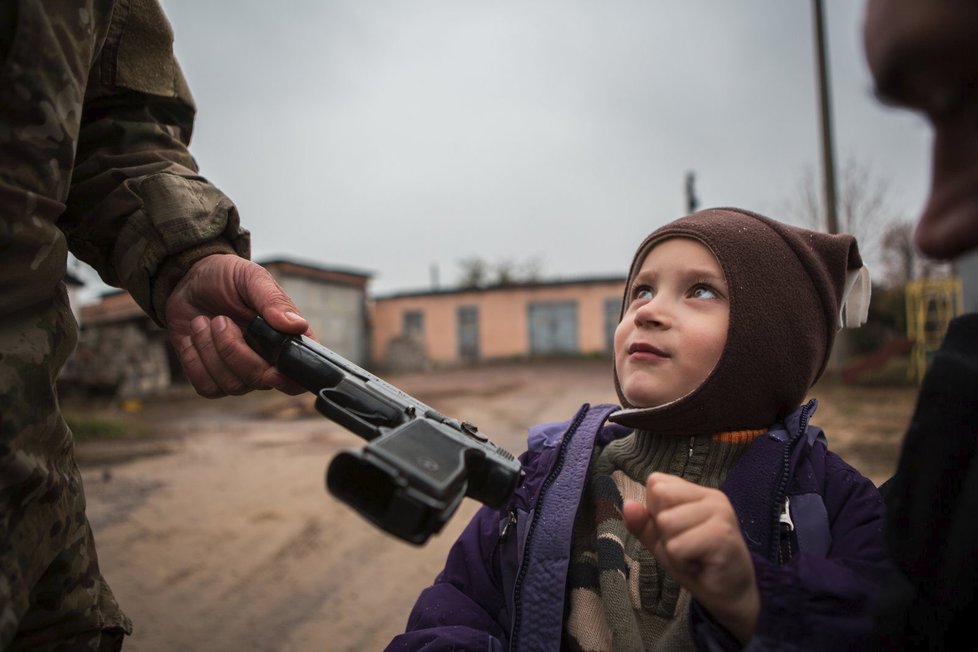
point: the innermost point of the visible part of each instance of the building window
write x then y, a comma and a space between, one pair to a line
467, 318
413, 325
553, 327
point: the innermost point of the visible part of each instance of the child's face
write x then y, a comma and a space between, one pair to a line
675, 323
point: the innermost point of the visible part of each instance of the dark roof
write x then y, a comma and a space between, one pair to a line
588, 280
113, 306
345, 276
287, 260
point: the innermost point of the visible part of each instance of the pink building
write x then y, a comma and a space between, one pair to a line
448, 327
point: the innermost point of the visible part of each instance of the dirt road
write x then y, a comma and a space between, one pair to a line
218, 534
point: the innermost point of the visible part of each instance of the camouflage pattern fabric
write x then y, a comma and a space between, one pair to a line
95, 118
51, 591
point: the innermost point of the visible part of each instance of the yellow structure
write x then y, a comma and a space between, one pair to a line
931, 305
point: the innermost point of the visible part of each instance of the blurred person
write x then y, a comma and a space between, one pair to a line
710, 513
923, 56
95, 119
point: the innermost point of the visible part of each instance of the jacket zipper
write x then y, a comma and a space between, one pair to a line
785, 527
511, 520
524, 565
781, 496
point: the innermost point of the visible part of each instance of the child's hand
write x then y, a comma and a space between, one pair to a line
694, 533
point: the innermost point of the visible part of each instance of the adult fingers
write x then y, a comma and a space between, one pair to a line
222, 363
260, 291
245, 369
194, 368
231, 364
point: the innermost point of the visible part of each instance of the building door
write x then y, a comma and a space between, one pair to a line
467, 318
553, 327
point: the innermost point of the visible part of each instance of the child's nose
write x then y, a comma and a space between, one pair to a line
653, 312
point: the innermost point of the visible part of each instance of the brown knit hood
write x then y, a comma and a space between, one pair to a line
788, 287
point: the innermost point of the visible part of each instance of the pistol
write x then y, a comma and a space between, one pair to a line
417, 464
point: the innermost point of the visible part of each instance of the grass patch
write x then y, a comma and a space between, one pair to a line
97, 428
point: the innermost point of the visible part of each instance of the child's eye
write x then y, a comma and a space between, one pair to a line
642, 293
701, 291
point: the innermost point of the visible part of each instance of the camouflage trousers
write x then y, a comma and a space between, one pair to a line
52, 595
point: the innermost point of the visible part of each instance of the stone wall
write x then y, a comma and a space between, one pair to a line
125, 359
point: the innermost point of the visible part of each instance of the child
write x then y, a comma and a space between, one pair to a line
709, 513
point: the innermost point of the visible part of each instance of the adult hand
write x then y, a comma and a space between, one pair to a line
694, 533
205, 315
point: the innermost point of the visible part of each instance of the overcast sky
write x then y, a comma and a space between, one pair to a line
400, 136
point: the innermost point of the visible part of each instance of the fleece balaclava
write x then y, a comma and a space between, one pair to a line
788, 293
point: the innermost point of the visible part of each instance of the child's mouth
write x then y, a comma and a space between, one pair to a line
642, 348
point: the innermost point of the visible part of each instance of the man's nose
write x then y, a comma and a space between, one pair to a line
949, 224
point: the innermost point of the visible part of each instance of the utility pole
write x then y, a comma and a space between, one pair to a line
843, 341
433, 272
825, 117
692, 202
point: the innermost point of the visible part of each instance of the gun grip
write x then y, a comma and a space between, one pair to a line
365, 483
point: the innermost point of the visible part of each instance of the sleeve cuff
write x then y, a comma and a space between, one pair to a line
182, 220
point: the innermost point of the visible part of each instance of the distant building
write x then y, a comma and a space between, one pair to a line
122, 352
333, 300
450, 327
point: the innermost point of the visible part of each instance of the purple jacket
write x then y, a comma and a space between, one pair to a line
504, 583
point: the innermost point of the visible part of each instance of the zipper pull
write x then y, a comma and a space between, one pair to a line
785, 518
786, 547
504, 526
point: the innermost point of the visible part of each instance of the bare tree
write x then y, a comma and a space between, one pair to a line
898, 254
863, 209
474, 272
510, 272
901, 260
804, 207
